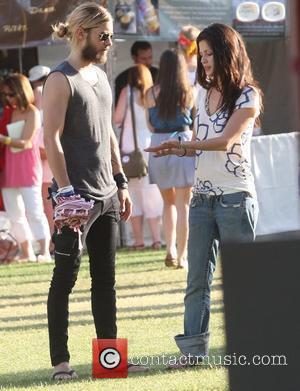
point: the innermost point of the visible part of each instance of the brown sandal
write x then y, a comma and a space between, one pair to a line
170, 261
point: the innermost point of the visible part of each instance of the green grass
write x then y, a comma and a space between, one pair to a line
150, 313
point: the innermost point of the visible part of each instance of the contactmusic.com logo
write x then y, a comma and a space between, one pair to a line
110, 358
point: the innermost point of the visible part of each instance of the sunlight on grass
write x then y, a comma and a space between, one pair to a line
150, 312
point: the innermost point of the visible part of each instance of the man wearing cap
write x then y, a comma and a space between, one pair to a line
37, 76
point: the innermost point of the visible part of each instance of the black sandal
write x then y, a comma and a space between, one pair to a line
69, 373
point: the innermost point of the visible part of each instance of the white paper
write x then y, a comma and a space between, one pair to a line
15, 130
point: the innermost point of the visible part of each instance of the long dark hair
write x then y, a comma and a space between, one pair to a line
232, 67
173, 83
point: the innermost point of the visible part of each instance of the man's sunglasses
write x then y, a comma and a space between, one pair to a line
103, 37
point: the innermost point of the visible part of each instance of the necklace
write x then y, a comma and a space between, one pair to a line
207, 99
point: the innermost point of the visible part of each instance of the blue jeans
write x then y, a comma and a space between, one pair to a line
212, 219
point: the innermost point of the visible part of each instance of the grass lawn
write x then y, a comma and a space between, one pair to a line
150, 313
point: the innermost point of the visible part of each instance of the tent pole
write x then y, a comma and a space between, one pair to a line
20, 60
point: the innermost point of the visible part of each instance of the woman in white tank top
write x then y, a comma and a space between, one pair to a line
146, 198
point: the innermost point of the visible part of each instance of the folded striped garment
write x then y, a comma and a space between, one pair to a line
72, 211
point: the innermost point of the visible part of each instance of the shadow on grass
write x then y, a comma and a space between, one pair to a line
137, 271
89, 321
86, 298
20, 283
87, 290
121, 310
42, 377
88, 312
84, 273
75, 298
39, 272
81, 299
27, 269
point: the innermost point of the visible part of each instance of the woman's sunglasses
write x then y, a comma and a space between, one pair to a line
9, 94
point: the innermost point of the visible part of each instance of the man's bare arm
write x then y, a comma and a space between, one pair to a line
56, 95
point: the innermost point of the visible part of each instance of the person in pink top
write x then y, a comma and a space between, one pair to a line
37, 75
22, 177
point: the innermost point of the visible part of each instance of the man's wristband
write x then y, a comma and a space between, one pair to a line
121, 181
65, 191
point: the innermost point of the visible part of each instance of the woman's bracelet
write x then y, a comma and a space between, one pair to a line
180, 146
6, 140
184, 153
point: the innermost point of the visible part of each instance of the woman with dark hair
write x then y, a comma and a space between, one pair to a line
170, 103
22, 175
146, 199
224, 205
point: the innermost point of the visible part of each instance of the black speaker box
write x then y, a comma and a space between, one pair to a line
262, 314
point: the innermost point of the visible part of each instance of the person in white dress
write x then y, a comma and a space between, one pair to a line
146, 198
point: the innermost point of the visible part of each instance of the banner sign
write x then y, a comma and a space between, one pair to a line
259, 18
28, 22
176, 13
162, 19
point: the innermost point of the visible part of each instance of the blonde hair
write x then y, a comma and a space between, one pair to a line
187, 40
20, 85
88, 16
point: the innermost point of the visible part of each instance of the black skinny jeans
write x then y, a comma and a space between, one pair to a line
101, 247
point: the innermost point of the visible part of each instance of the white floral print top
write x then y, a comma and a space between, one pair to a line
224, 172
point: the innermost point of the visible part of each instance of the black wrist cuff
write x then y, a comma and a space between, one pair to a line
121, 181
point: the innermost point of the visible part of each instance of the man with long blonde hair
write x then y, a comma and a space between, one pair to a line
83, 155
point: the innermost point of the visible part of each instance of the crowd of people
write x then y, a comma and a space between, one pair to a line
193, 119
157, 197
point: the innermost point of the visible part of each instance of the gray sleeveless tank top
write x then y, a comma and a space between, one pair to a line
86, 134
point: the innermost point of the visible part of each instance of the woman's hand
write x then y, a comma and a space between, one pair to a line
5, 139
168, 147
